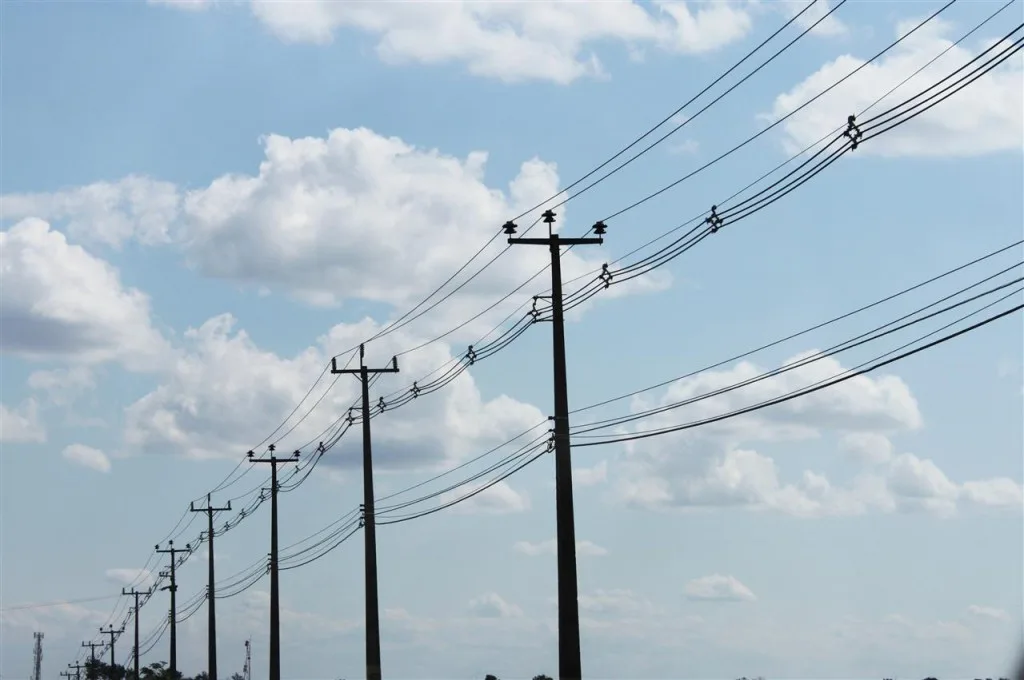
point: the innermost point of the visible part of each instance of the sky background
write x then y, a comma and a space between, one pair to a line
203, 201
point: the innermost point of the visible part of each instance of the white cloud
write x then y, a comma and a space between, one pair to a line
828, 28
591, 475
108, 213
987, 116
58, 301
86, 456
716, 465
992, 613
996, 492
498, 499
515, 41
141, 578
187, 5
21, 424
59, 621
867, 447
224, 388
614, 602
325, 220
550, 547
718, 587
63, 385
493, 606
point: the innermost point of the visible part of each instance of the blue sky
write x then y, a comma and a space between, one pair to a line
204, 201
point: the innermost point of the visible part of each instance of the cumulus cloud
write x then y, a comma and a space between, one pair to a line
717, 465
516, 41
498, 499
107, 213
718, 587
58, 301
86, 456
991, 613
583, 476
325, 219
21, 423
63, 385
493, 606
867, 447
143, 578
224, 387
550, 547
986, 117
618, 602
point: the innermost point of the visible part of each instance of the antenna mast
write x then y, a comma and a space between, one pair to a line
247, 670
37, 657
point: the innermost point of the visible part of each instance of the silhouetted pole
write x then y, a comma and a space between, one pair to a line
275, 610
173, 588
78, 670
113, 637
570, 666
92, 648
211, 631
373, 671
136, 594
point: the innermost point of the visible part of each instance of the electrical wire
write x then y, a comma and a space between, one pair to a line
864, 369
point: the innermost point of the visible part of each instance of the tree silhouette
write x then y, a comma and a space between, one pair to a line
542, 677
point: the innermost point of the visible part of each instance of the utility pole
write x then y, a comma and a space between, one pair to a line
373, 671
275, 607
211, 608
570, 666
113, 636
173, 588
136, 594
91, 668
78, 670
67, 674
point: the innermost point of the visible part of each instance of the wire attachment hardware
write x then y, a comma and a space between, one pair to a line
534, 312
853, 132
714, 220
606, 276
381, 405
415, 390
471, 355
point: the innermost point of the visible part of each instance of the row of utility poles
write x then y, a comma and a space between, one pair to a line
569, 661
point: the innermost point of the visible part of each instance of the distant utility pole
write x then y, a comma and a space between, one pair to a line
275, 607
373, 671
113, 636
136, 594
569, 663
211, 631
173, 588
78, 670
67, 674
92, 657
